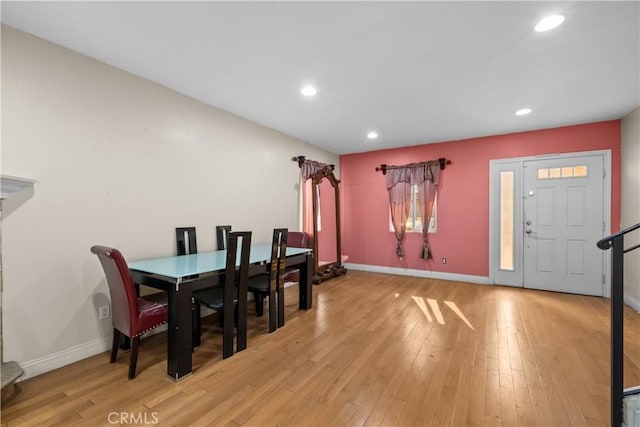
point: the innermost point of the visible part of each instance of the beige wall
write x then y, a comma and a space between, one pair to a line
119, 161
630, 212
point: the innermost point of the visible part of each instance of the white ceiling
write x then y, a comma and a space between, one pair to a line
416, 72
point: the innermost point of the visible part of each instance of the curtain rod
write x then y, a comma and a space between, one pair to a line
302, 159
443, 162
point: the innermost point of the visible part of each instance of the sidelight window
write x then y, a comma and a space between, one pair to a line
506, 220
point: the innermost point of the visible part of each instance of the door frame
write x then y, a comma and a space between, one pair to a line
516, 278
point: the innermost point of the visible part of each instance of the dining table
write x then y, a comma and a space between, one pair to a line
180, 275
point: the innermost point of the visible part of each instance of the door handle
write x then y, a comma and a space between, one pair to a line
528, 231
528, 222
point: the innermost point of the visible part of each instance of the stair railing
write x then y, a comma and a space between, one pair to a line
616, 243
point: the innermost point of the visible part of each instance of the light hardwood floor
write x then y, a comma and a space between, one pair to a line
375, 349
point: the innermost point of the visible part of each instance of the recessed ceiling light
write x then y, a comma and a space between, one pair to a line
549, 23
308, 90
372, 135
523, 111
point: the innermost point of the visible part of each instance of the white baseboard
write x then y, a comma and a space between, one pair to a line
480, 280
35, 367
41, 365
632, 302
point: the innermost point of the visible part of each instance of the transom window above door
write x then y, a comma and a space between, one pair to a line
563, 172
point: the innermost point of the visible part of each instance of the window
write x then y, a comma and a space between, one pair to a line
563, 172
506, 220
414, 222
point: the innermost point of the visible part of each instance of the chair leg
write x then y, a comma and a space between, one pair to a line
259, 303
273, 315
196, 326
115, 345
280, 293
134, 357
241, 325
125, 342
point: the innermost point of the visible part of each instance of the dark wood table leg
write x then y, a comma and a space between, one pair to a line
179, 347
306, 282
227, 318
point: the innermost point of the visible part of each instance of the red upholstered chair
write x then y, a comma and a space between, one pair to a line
295, 239
298, 239
132, 315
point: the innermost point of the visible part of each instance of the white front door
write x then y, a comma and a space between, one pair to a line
563, 220
547, 213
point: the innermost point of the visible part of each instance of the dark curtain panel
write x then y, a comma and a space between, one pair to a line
426, 200
399, 181
311, 167
308, 168
307, 210
400, 204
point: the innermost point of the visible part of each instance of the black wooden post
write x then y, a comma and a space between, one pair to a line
617, 328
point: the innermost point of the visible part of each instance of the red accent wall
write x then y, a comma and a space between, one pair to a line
463, 195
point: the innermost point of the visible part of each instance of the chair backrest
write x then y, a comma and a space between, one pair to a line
222, 236
124, 301
186, 241
298, 239
236, 280
238, 268
278, 255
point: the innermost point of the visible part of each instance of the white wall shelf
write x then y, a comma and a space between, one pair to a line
13, 184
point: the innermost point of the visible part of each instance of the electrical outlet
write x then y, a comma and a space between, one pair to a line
103, 312
444, 260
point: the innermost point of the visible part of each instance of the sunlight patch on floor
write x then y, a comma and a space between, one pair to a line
437, 313
436, 310
456, 310
423, 307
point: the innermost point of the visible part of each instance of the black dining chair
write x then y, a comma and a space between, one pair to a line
230, 300
222, 235
271, 284
186, 241
186, 244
